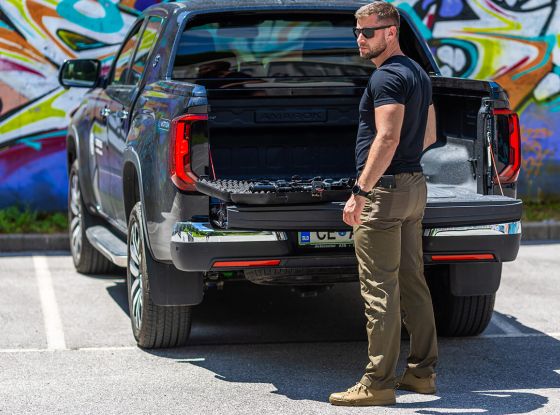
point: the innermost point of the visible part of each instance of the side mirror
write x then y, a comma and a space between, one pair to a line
79, 73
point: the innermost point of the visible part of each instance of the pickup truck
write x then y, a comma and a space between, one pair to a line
219, 147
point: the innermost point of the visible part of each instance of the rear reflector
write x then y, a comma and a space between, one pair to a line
259, 263
464, 257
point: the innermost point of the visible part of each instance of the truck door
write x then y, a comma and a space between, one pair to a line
115, 110
98, 152
123, 98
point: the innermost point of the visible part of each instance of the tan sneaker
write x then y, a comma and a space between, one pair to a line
361, 395
409, 382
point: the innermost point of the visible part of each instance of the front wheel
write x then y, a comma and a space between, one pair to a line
86, 258
153, 326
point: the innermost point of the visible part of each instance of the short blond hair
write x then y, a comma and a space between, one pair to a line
383, 10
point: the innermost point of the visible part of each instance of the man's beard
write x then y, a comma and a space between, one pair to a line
375, 53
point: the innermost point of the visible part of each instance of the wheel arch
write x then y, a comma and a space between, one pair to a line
71, 151
74, 153
131, 187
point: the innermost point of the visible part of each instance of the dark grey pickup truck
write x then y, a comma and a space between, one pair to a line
219, 147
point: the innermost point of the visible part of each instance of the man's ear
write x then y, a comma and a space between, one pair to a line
388, 33
394, 34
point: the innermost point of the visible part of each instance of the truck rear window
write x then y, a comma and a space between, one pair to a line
272, 47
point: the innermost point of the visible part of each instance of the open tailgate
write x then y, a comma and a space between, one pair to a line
303, 210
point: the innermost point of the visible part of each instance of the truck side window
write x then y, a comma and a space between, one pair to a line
147, 42
120, 73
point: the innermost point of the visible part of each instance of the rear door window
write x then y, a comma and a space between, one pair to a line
147, 42
120, 74
270, 47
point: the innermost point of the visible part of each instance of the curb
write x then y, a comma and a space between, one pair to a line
34, 242
548, 230
532, 231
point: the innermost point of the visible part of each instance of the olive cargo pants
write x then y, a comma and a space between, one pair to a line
388, 246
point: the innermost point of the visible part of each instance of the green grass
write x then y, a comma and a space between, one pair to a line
16, 220
539, 210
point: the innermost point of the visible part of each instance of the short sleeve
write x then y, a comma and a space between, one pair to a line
388, 88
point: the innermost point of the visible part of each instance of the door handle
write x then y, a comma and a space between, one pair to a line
123, 114
105, 112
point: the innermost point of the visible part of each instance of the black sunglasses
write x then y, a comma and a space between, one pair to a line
368, 32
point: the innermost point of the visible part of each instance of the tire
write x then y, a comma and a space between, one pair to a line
153, 326
86, 258
459, 316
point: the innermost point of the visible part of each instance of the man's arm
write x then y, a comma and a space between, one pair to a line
430, 135
388, 123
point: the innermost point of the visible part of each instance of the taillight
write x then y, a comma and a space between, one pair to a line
180, 156
508, 145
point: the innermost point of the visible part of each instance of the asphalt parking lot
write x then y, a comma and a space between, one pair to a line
67, 348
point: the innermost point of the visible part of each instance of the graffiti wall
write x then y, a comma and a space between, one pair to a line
36, 36
514, 42
517, 44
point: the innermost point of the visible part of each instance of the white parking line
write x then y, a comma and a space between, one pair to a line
514, 335
51, 316
504, 325
124, 348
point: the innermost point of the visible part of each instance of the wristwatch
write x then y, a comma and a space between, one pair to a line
357, 191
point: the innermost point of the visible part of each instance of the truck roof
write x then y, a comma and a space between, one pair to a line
216, 5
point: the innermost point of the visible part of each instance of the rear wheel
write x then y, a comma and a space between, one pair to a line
465, 316
458, 316
153, 326
87, 259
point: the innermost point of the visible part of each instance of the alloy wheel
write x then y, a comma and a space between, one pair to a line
135, 267
76, 221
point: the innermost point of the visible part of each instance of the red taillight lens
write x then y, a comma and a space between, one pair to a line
509, 145
254, 263
180, 158
464, 257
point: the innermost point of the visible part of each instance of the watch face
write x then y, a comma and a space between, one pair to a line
356, 189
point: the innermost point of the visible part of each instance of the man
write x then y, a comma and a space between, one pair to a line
397, 122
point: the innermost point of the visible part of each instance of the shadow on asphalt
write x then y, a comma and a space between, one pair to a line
310, 347
117, 291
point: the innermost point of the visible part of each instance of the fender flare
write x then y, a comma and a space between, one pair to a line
83, 168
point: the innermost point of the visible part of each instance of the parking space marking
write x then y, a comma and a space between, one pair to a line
51, 315
504, 325
124, 348
515, 335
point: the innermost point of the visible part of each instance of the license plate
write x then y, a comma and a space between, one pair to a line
326, 239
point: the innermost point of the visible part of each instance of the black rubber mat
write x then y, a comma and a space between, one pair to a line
277, 192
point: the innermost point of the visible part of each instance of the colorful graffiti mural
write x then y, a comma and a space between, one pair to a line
514, 42
36, 36
517, 44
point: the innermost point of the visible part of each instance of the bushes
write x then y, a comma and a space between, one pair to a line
538, 210
16, 220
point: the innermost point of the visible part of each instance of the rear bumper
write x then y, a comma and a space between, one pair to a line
447, 245
197, 246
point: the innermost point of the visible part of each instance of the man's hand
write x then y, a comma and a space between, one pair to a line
353, 210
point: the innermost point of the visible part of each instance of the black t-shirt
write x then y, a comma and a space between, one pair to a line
399, 80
